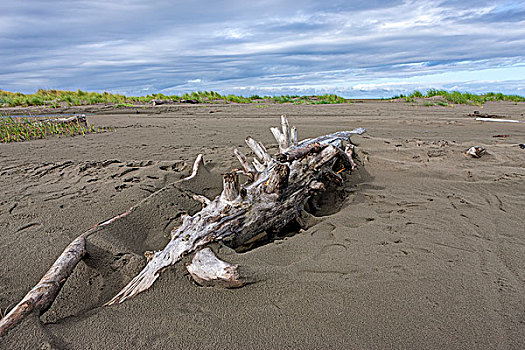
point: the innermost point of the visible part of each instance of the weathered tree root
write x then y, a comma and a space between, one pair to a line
274, 195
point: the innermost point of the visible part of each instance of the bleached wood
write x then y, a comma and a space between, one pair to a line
499, 120
271, 200
196, 165
293, 136
258, 166
266, 156
279, 137
259, 150
476, 151
201, 199
286, 132
208, 270
242, 159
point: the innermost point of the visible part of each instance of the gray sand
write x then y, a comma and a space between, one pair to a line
424, 247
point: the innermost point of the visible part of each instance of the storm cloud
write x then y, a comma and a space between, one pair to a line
353, 48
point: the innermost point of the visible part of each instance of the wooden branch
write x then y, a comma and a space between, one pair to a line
201, 199
208, 270
293, 136
286, 132
283, 137
196, 166
328, 153
268, 203
259, 150
242, 159
279, 137
43, 294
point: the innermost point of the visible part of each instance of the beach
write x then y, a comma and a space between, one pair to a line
422, 248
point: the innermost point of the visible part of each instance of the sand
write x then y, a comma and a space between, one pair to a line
422, 249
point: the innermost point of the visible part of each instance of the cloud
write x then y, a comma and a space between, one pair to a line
271, 46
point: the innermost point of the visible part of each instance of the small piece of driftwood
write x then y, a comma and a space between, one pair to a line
161, 102
208, 270
500, 120
476, 151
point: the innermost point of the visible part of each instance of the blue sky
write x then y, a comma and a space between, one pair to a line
352, 48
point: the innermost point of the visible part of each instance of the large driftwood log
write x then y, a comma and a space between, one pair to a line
274, 195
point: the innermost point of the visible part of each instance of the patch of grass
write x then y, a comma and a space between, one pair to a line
57, 98
456, 97
25, 129
122, 105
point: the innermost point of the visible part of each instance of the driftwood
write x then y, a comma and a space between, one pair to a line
276, 190
275, 193
208, 270
76, 119
500, 120
476, 151
161, 102
43, 294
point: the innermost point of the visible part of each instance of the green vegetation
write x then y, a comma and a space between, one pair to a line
456, 97
58, 98
122, 105
24, 129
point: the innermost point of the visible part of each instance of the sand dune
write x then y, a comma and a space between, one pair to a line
422, 248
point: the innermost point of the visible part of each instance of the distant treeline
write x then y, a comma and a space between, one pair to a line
58, 98
456, 97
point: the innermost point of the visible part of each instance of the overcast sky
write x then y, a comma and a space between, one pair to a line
361, 48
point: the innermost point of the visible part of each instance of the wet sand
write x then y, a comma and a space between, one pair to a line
422, 249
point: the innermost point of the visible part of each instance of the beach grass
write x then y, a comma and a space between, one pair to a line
457, 97
25, 129
59, 98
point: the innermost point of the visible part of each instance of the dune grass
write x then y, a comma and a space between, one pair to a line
58, 98
456, 97
25, 129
